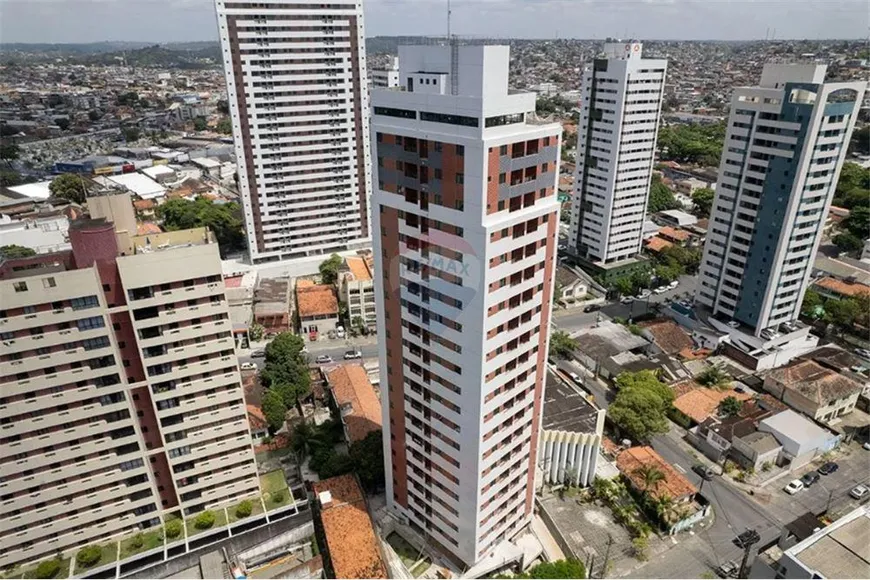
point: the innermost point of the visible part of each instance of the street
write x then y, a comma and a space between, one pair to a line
634, 308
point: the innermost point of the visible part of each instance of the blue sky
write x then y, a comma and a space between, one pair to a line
180, 20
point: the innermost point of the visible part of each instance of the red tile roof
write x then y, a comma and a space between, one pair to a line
316, 300
670, 233
351, 387
657, 244
668, 335
835, 286
350, 537
674, 485
256, 418
699, 404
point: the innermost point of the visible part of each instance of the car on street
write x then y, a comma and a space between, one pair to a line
702, 470
323, 359
562, 247
592, 308
828, 468
626, 299
576, 378
644, 294
866, 445
859, 491
733, 324
339, 332
258, 354
863, 352
793, 487
661, 290
249, 366
810, 478
352, 354
729, 569
673, 284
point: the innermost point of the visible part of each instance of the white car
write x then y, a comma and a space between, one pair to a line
323, 359
644, 294
627, 299
661, 290
339, 332
859, 491
673, 284
793, 487
249, 366
576, 378
352, 354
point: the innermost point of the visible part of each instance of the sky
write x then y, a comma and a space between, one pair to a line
158, 21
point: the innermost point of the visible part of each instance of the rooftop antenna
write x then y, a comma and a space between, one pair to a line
448, 20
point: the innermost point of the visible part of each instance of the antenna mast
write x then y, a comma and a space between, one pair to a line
448, 19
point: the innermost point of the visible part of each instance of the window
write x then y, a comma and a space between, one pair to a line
504, 120
460, 178
501, 177
437, 173
400, 113
84, 302
502, 150
20, 286
380, 137
438, 146
29, 309
460, 150
450, 119
90, 323
48, 283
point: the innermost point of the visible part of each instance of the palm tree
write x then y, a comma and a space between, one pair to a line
305, 440
665, 508
650, 475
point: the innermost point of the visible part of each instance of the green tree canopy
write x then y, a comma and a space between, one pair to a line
713, 376
641, 405
200, 124
561, 344
660, 196
730, 406
131, 133
860, 142
9, 151
9, 178
223, 219
848, 242
697, 144
286, 370
13, 251
128, 99
812, 306
225, 126
274, 410
703, 200
329, 269
858, 221
569, 568
368, 460
69, 186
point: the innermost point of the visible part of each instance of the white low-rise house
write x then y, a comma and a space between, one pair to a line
801, 439
571, 285
141, 185
42, 234
356, 288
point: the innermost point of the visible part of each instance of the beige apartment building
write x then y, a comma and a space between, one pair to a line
120, 394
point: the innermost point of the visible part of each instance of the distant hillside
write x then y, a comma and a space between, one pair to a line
182, 55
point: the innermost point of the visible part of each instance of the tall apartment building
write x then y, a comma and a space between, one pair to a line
120, 394
785, 146
616, 140
388, 76
466, 219
298, 98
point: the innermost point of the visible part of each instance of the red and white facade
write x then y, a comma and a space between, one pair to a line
298, 98
465, 221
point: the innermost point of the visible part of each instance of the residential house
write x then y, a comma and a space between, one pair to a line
675, 235
145, 208
259, 425
357, 289
813, 390
272, 304
657, 244
570, 285
697, 405
801, 439
317, 307
839, 289
688, 508
667, 336
714, 435
596, 345
353, 547
357, 403
756, 449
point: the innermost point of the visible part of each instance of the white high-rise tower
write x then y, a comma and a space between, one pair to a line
298, 99
466, 220
616, 141
785, 146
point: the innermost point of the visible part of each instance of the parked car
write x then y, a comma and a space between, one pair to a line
248, 366
258, 354
863, 352
352, 354
810, 478
644, 294
339, 332
323, 359
729, 569
673, 284
592, 308
627, 299
793, 487
828, 468
576, 378
866, 445
562, 247
859, 491
660, 290
733, 324
705, 472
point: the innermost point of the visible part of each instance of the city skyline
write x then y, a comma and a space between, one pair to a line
79, 21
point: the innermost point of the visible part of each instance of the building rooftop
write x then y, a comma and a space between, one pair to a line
657, 244
606, 340
668, 335
272, 296
850, 289
833, 357
566, 409
674, 485
356, 399
701, 403
795, 427
841, 550
761, 442
815, 382
840, 269
350, 537
359, 268
316, 300
674, 234
141, 185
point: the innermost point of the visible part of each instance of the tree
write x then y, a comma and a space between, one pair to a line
329, 269
14, 251
650, 476
69, 186
88, 556
9, 152
842, 313
274, 409
131, 133
812, 306
95, 115
660, 196
860, 142
561, 344
204, 520
623, 286
730, 406
244, 509
200, 124
367, 455
696, 143
128, 99
569, 568
223, 107
858, 221
713, 376
848, 242
223, 219
641, 405
256, 332
703, 200
225, 126
47, 569
286, 370
62, 122
9, 178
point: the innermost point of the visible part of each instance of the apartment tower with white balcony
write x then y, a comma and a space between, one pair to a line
783, 151
120, 394
298, 99
465, 224
616, 140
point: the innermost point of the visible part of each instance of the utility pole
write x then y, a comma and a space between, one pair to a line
606, 556
828, 504
747, 540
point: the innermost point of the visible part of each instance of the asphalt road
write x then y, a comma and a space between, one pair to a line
686, 288
335, 348
573, 319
